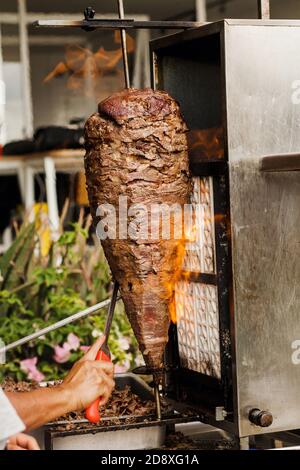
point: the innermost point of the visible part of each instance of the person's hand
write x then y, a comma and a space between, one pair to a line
22, 442
89, 379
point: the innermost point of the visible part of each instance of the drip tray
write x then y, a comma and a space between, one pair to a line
142, 432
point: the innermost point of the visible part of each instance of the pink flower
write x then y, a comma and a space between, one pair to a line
124, 343
61, 354
139, 360
119, 369
73, 341
124, 367
84, 348
29, 366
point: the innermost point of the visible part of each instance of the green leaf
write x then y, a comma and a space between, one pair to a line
49, 289
15, 261
67, 238
8, 257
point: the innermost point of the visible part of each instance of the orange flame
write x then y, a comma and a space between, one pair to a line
81, 63
174, 278
206, 143
189, 236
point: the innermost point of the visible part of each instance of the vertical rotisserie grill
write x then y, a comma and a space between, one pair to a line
231, 353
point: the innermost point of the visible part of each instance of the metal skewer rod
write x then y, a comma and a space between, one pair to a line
111, 308
124, 45
55, 326
157, 402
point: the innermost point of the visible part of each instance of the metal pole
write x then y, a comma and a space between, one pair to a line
24, 54
50, 174
111, 309
263, 9
2, 95
141, 69
157, 402
55, 326
200, 7
124, 45
12, 18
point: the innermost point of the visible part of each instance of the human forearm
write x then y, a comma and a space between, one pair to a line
87, 380
41, 406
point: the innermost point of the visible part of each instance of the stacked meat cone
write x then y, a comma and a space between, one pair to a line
136, 149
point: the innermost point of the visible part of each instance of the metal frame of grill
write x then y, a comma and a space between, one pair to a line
206, 383
216, 71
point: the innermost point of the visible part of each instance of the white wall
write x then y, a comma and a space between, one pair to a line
14, 123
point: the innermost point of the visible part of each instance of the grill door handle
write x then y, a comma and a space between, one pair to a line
281, 162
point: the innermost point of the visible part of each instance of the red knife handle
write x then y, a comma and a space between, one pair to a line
92, 411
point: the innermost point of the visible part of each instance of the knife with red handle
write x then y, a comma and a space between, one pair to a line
92, 412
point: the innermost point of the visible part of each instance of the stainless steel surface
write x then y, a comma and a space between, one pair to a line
116, 24
275, 163
55, 326
262, 63
150, 437
124, 45
221, 413
263, 9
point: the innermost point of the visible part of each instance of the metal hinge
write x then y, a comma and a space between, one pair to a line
221, 413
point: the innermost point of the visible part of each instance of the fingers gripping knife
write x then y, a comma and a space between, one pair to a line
92, 412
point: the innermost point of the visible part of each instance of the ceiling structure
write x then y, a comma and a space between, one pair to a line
158, 9
155, 8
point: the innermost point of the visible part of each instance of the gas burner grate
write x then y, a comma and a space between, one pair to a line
200, 253
198, 327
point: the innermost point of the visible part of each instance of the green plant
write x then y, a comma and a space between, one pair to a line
38, 289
